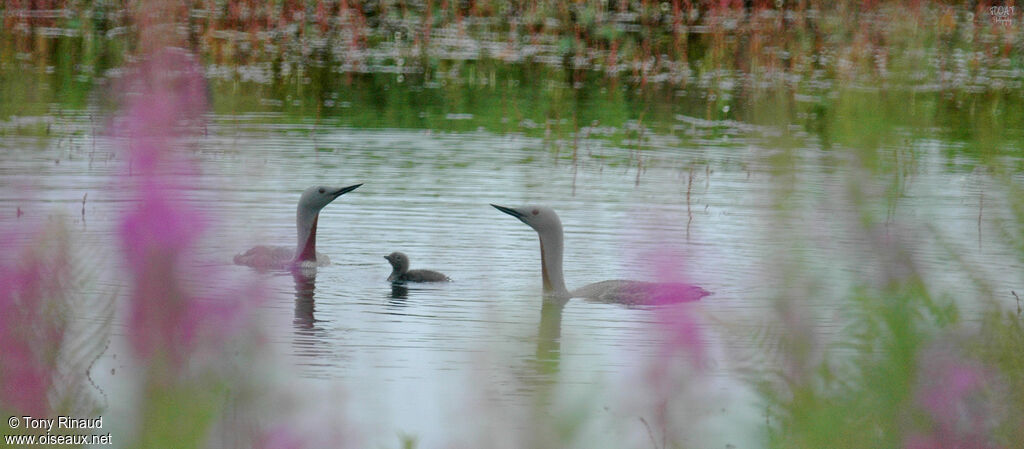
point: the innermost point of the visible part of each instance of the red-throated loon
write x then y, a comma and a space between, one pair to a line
545, 221
304, 254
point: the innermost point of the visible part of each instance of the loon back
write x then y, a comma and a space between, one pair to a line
422, 276
640, 292
276, 258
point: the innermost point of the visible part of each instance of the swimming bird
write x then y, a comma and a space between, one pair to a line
304, 255
401, 273
545, 221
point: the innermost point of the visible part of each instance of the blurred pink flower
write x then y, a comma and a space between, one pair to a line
166, 97
672, 378
668, 261
33, 273
953, 391
281, 437
678, 323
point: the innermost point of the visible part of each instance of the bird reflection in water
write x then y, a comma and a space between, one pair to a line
549, 338
399, 295
305, 305
312, 342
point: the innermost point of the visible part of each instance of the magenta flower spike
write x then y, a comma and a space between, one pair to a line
33, 270
160, 232
679, 324
952, 391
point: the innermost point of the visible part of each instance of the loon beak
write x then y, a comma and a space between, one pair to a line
345, 190
510, 211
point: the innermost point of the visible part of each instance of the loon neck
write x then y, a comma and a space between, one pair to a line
551, 263
396, 274
307, 237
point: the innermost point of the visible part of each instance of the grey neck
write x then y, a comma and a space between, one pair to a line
551, 263
305, 223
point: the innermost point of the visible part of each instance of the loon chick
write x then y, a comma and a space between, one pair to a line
401, 273
304, 254
545, 221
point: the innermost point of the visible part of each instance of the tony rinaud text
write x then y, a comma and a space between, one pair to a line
60, 422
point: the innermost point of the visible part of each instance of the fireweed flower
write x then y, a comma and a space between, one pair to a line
672, 376
678, 323
955, 394
681, 352
158, 235
281, 437
33, 271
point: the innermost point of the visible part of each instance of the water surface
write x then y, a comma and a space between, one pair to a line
418, 360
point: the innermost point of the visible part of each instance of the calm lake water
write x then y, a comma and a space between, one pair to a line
427, 360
